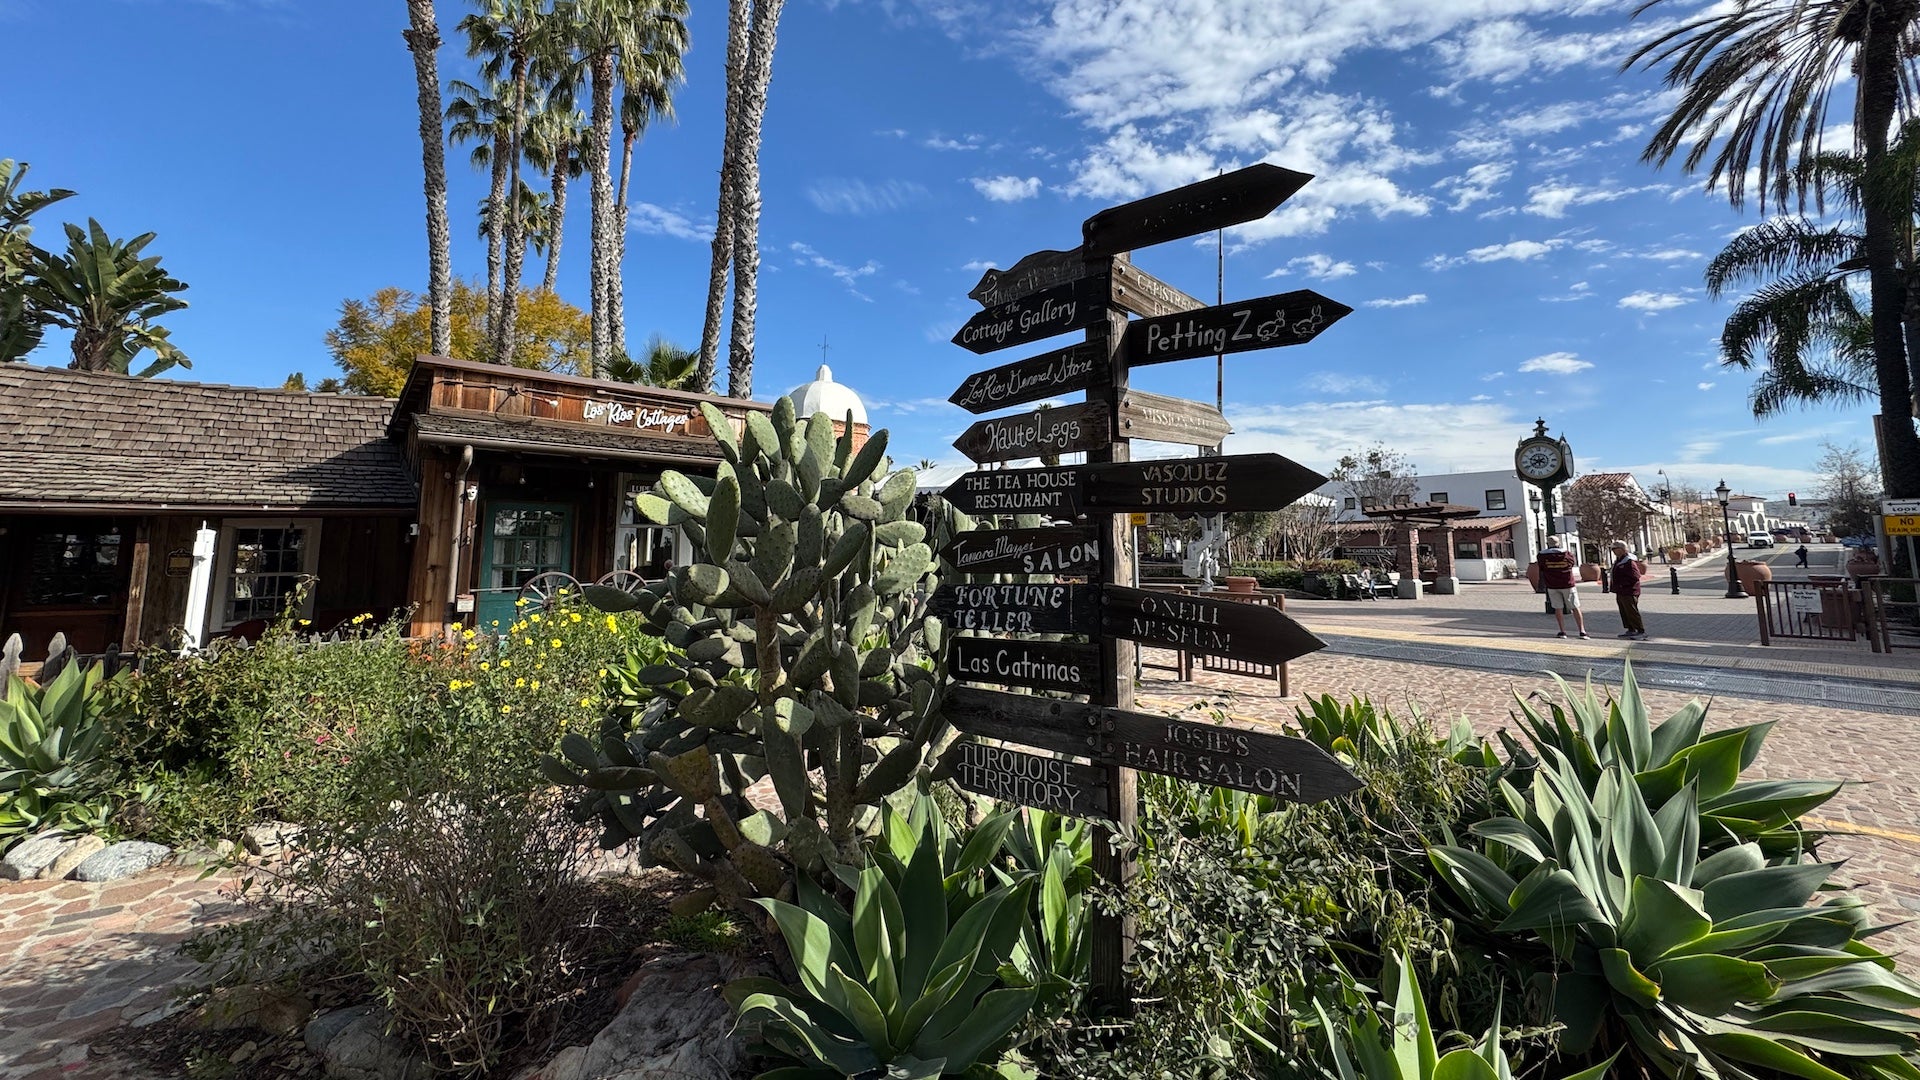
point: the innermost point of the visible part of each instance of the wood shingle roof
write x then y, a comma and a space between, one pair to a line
80, 439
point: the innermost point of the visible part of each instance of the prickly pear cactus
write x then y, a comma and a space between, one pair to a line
801, 650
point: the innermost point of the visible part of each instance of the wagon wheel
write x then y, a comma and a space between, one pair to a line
625, 580
543, 588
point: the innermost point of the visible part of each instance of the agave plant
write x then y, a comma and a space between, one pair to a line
1694, 966
51, 739
923, 976
1410, 1051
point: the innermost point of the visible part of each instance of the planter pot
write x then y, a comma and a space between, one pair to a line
1242, 584
1753, 575
1590, 571
1533, 576
1863, 565
1692, 550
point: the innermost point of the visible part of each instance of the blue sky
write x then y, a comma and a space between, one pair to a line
1479, 202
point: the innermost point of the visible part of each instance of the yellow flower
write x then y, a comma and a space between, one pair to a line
522, 602
540, 665
535, 616
519, 682
586, 703
573, 616
471, 646
603, 673
526, 641
506, 708
613, 625
362, 617
484, 666
467, 634
555, 643
453, 684
306, 622
536, 684
504, 664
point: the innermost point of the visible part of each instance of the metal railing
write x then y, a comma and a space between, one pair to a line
1893, 612
1817, 610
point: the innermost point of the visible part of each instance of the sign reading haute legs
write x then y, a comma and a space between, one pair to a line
1093, 287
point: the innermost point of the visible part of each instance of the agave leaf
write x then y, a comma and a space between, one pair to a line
1759, 1050
1710, 984
1628, 732
1661, 918
863, 1010
814, 947
1462, 1065
1413, 1046
992, 1019
1676, 733
850, 1057
1770, 887
1515, 834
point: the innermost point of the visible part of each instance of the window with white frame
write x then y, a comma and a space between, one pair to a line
1496, 499
261, 564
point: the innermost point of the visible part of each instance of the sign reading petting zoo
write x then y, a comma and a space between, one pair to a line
1006, 632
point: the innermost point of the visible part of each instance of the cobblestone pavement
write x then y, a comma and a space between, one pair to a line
78, 959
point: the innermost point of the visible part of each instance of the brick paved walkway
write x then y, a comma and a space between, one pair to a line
78, 959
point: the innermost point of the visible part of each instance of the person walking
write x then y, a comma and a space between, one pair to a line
1801, 554
1625, 585
1563, 593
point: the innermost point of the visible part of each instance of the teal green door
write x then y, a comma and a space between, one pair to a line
520, 541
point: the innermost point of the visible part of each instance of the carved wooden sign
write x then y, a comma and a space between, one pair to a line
1043, 432
1073, 306
1212, 485
1074, 551
1062, 371
1239, 196
1019, 608
1158, 418
1136, 291
1064, 787
1196, 624
1038, 665
1290, 318
1231, 756
1040, 270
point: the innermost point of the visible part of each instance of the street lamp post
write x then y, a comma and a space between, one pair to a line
1539, 523
1666, 496
1734, 591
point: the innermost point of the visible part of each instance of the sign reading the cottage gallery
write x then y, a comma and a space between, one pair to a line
638, 417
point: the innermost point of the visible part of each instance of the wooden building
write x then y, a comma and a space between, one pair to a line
478, 483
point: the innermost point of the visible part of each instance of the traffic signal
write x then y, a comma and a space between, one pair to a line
1792, 499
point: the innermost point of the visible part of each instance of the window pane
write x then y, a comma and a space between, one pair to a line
1496, 499
1438, 496
73, 569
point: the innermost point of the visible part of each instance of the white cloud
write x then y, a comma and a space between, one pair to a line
1481, 397
1671, 255
1704, 386
1007, 188
1652, 302
1556, 363
1342, 382
965, 142
1474, 435
837, 195
1579, 290
644, 217
979, 265
847, 275
1316, 265
1477, 184
1553, 198
1399, 301
1513, 250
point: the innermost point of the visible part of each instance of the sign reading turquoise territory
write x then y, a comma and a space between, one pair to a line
1196, 624
1038, 665
1062, 371
1212, 485
1073, 306
1073, 551
1018, 609
1291, 318
1064, 787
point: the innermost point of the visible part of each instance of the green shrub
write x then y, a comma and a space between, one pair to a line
1289, 575
54, 770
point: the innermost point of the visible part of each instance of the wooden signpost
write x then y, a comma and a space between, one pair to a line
1069, 429
1073, 551
1290, 318
1093, 288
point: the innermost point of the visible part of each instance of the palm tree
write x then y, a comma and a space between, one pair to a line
1754, 81
21, 325
756, 77
109, 296
480, 117
554, 141
739, 22
423, 41
511, 38
648, 73
665, 365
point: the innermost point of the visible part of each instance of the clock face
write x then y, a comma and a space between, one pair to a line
1539, 462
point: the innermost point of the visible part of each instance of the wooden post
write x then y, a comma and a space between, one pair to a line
1113, 936
1760, 606
136, 588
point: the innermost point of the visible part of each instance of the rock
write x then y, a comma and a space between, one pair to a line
360, 1049
269, 838
203, 854
674, 1026
124, 859
327, 1025
80, 850
242, 1052
170, 1009
268, 1008
27, 859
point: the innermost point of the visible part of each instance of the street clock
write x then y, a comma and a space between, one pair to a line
1543, 460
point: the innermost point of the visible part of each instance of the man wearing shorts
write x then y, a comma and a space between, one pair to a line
1563, 594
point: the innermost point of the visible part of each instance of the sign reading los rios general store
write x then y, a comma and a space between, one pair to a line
996, 622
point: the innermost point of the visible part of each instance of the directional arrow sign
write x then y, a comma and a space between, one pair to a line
1065, 430
1158, 418
1025, 551
1196, 624
1144, 295
1064, 787
1062, 371
1040, 270
1018, 609
1271, 321
1041, 665
1074, 306
1242, 195
1212, 485
1239, 757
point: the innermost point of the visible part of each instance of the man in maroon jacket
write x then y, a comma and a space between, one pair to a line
1625, 584
1563, 594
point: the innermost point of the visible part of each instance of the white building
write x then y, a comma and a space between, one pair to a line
1505, 533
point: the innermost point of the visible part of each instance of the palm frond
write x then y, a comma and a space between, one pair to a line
1782, 245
